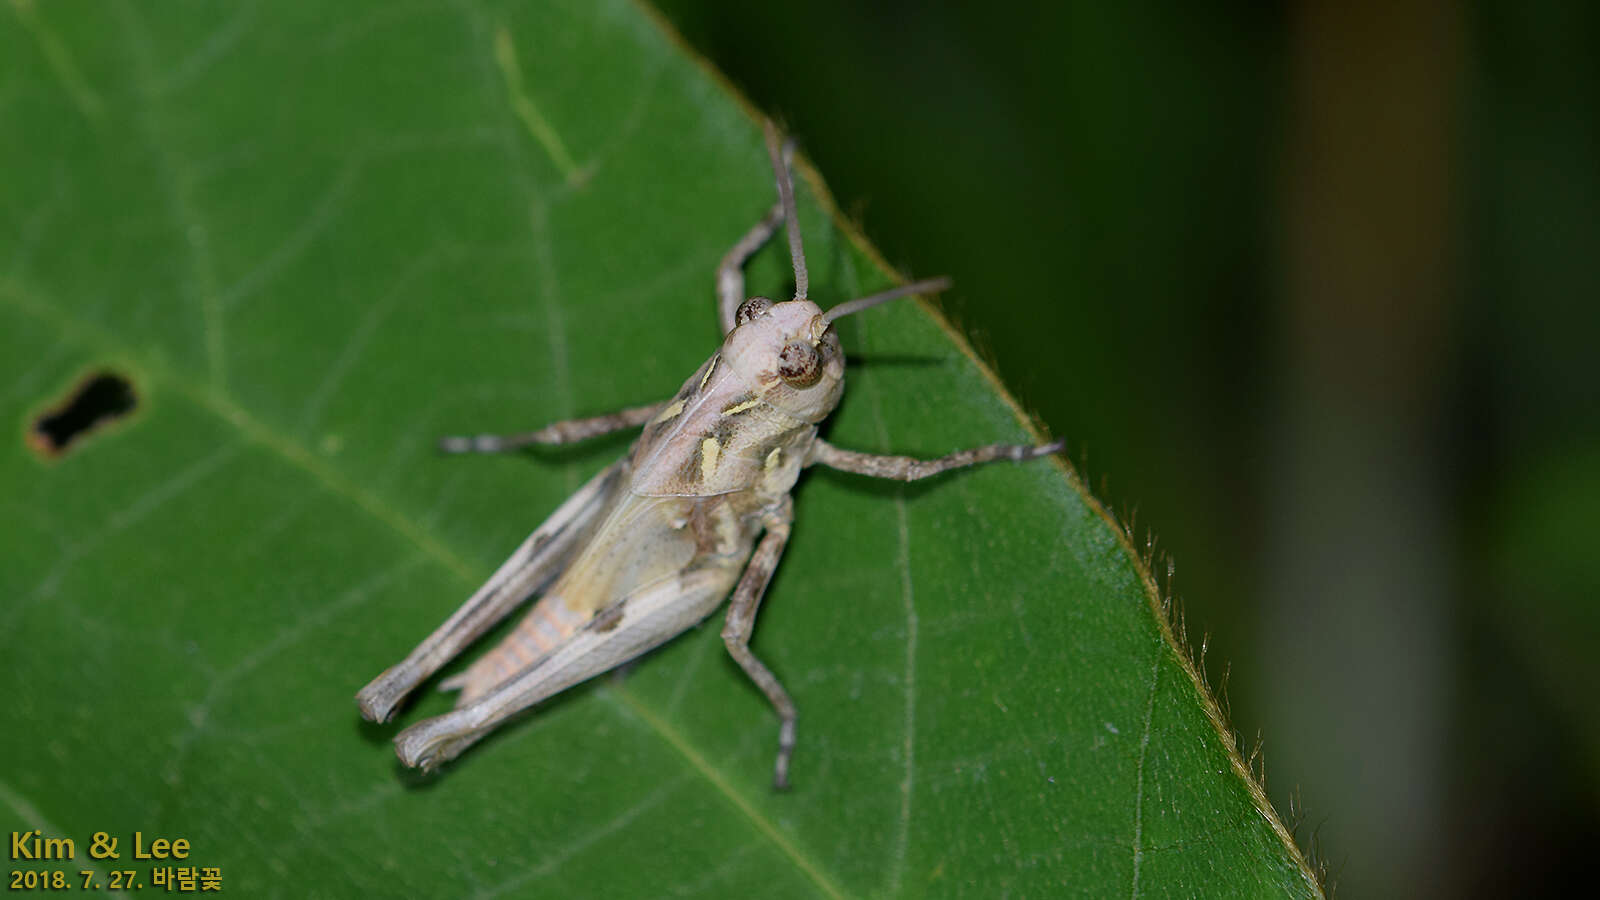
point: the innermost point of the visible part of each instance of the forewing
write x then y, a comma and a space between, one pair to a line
714, 437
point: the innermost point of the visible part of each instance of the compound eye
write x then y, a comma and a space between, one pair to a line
755, 306
799, 365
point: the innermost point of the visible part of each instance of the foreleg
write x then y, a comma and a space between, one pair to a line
730, 273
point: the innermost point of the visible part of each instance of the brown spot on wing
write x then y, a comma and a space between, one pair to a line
608, 619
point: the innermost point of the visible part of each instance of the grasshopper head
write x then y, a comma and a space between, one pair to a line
789, 354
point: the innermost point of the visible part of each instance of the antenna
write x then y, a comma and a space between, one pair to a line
926, 286
791, 221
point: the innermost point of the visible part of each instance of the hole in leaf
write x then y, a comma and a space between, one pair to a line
98, 400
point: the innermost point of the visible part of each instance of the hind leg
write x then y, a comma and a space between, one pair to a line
621, 632
534, 564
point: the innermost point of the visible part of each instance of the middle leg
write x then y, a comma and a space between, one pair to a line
566, 431
741, 622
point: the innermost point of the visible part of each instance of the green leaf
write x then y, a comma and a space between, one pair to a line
316, 236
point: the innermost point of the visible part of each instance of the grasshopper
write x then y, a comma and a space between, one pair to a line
652, 544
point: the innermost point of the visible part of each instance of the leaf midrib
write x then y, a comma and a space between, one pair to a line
297, 455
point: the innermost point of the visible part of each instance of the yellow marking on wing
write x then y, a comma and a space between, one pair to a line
707, 376
709, 451
773, 459
673, 409
739, 408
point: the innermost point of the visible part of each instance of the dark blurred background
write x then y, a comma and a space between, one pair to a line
1312, 290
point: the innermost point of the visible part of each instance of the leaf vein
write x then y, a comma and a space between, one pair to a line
213, 49
357, 342
30, 814
559, 857
528, 112
62, 63
908, 679
116, 523
1144, 750
192, 231
323, 211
